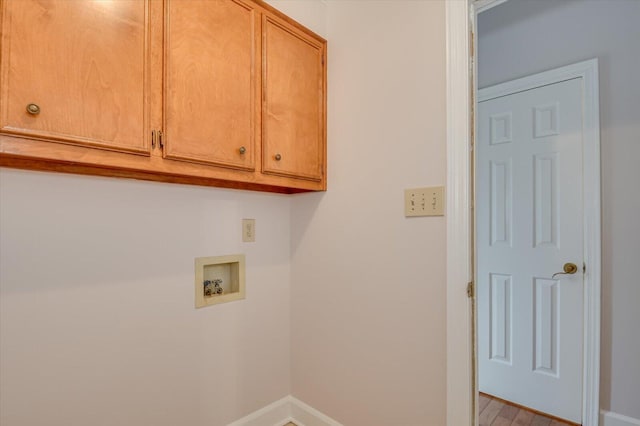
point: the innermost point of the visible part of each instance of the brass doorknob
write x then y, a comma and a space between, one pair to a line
278, 157
568, 268
33, 109
242, 150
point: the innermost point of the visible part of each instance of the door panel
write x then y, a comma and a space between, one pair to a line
293, 111
501, 330
211, 71
529, 223
98, 98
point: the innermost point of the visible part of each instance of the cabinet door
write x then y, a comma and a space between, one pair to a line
76, 72
210, 86
293, 111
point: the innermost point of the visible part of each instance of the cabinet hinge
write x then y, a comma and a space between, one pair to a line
470, 289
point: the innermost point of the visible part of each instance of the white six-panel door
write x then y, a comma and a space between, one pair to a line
529, 224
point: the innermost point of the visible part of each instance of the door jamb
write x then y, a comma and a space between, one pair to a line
461, 82
461, 399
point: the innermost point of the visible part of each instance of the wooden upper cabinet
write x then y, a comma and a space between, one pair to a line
227, 93
211, 82
293, 111
76, 72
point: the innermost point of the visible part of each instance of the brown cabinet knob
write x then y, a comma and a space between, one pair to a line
278, 157
242, 150
33, 109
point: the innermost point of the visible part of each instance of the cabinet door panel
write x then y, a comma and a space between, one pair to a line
293, 109
84, 63
210, 85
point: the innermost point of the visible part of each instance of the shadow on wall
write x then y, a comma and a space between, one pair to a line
304, 207
96, 231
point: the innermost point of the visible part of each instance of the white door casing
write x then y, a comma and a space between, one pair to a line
529, 223
461, 82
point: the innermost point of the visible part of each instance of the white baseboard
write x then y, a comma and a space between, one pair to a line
285, 410
608, 418
273, 414
305, 415
290, 409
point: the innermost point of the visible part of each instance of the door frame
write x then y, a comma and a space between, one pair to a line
461, 20
587, 72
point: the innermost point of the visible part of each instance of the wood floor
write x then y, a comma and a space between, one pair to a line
496, 412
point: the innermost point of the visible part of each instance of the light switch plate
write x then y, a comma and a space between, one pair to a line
428, 201
248, 230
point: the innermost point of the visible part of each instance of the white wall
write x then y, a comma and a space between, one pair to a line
368, 285
523, 37
97, 318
